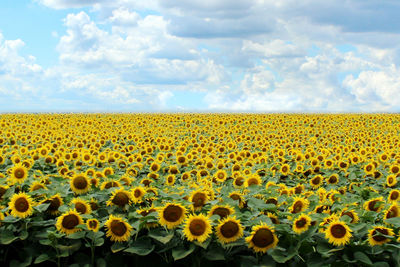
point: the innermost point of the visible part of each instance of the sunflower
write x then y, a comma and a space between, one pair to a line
239, 181
391, 180
67, 222
36, 186
198, 198
81, 206
19, 173
395, 169
108, 171
120, 198
299, 205
352, 214
171, 215
220, 176
333, 179
229, 230
273, 217
262, 238
394, 196
285, 169
170, 179
137, 194
221, 211
93, 225
392, 212
79, 184
253, 180
374, 204
301, 224
197, 227
118, 229
316, 181
378, 235
338, 233
235, 195
3, 190
55, 202
109, 184
21, 205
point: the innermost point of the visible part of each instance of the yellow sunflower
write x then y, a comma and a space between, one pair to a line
299, 205
36, 186
220, 176
374, 204
392, 212
118, 229
55, 202
394, 196
222, 211
79, 184
67, 222
197, 227
93, 225
21, 205
378, 235
120, 198
391, 180
198, 198
19, 173
301, 224
172, 215
338, 233
81, 206
137, 194
229, 230
262, 238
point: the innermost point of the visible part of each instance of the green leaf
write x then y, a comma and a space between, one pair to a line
101, 263
362, 257
117, 247
380, 264
42, 207
141, 247
161, 235
394, 221
77, 235
182, 252
7, 237
42, 257
10, 219
216, 253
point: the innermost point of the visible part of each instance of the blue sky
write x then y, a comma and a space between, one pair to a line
199, 55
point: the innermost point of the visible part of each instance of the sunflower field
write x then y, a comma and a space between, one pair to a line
200, 189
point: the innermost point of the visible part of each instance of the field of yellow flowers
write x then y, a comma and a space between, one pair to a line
200, 189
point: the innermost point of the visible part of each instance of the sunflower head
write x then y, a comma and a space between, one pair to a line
197, 227
229, 230
21, 205
221, 211
118, 229
81, 206
301, 224
394, 196
392, 212
120, 198
262, 238
338, 233
80, 184
67, 222
93, 225
198, 198
374, 204
55, 202
137, 194
172, 215
19, 173
379, 235
299, 205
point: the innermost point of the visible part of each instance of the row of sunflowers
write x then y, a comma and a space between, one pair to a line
196, 189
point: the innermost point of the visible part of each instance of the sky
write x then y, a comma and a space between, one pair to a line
199, 56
